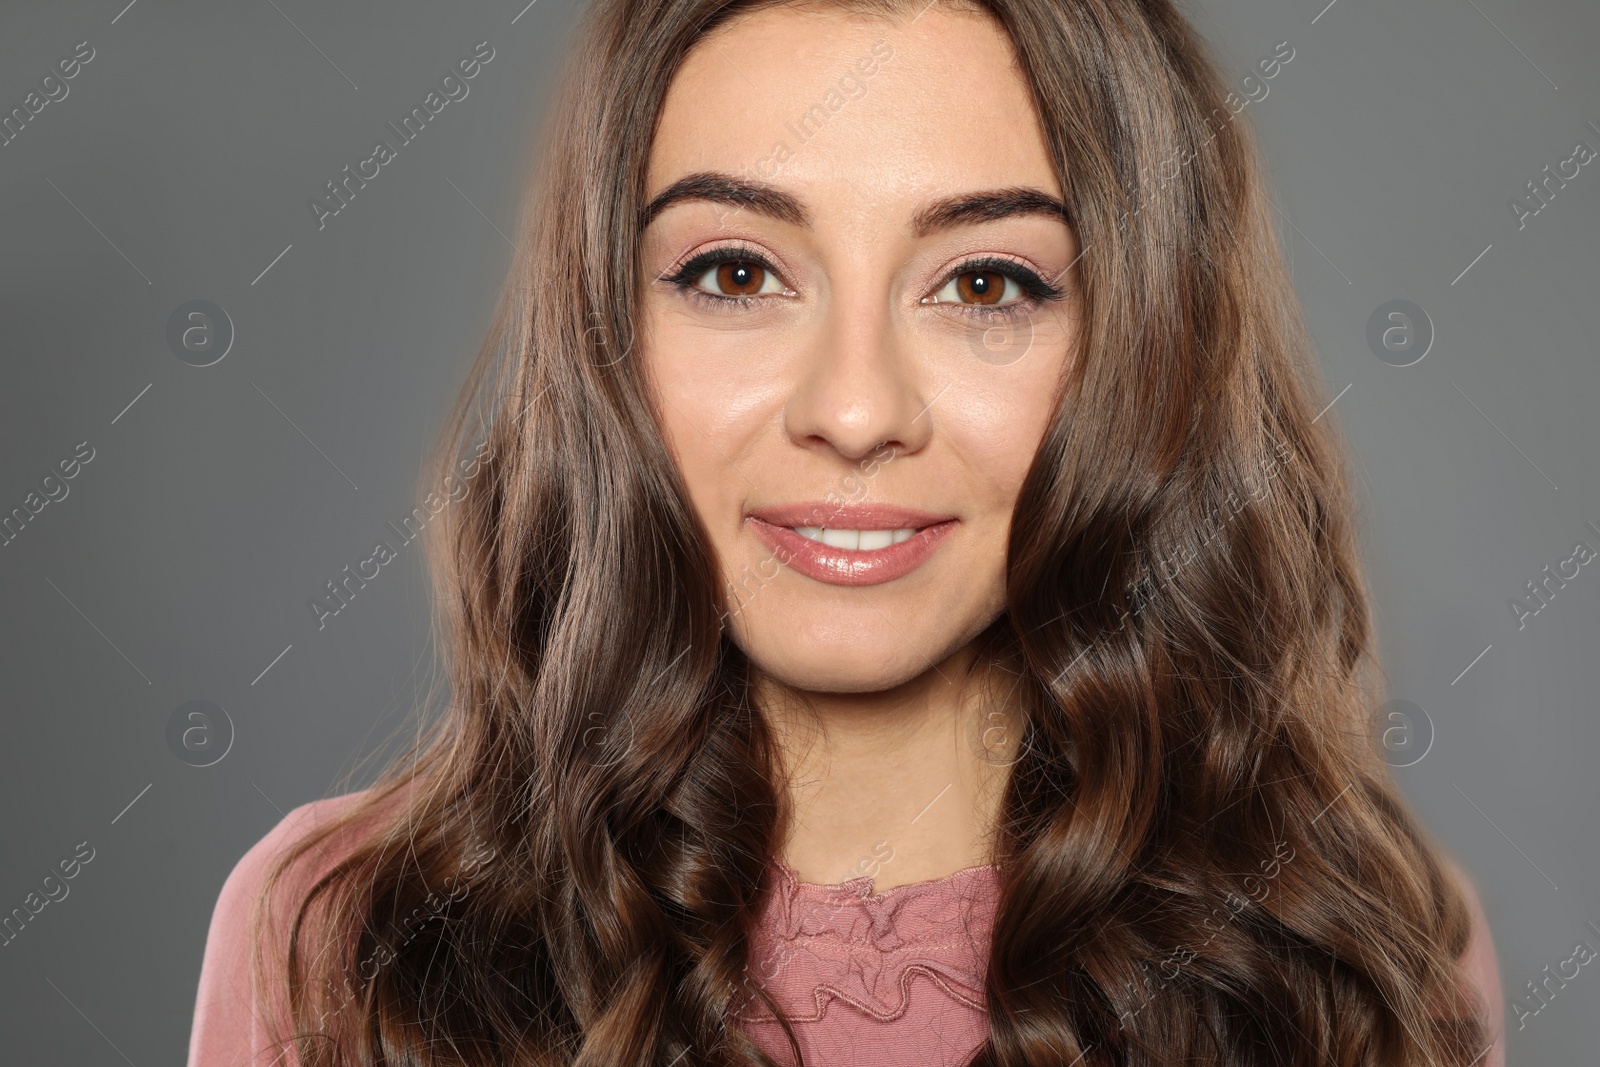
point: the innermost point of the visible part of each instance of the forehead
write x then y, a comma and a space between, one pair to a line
829, 102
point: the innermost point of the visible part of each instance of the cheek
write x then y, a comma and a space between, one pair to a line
713, 397
995, 421
719, 380
1004, 381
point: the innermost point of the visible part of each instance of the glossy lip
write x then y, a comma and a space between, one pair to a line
847, 566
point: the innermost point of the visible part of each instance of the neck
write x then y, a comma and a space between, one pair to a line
901, 785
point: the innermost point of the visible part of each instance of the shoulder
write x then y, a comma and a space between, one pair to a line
240, 892
228, 1024
1480, 964
289, 831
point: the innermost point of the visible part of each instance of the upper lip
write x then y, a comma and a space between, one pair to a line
847, 516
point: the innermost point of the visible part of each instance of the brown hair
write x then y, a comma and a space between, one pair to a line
1186, 620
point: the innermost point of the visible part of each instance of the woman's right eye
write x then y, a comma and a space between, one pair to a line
728, 278
738, 278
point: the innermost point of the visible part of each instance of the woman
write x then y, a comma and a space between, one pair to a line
904, 608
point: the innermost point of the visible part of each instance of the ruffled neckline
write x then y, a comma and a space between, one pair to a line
845, 941
864, 886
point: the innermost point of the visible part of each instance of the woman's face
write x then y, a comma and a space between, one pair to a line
858, 316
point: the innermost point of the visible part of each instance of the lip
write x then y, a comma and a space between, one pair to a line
846, 566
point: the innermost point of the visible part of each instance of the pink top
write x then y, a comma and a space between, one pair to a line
894, 979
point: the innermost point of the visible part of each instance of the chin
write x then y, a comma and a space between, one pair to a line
854, 649
831, 669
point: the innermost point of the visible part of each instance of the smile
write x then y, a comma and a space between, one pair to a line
866, 544
865, 540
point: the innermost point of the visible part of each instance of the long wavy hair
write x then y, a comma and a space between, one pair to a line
1203, 858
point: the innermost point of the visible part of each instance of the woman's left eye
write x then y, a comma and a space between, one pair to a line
984, 287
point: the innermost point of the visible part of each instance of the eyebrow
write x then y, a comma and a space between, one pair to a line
960, 210
720, 188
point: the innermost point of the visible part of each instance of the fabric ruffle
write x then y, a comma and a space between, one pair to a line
816, 943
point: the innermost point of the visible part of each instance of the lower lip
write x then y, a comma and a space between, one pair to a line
847, 566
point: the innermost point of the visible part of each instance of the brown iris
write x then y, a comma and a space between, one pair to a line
980, 286
738, 277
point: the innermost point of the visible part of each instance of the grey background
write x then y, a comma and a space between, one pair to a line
180, 564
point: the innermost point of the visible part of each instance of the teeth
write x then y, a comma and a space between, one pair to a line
842, 538
861, 540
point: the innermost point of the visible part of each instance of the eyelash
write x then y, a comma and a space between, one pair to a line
686, 275
1037, 290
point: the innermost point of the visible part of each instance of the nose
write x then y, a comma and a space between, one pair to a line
861, 387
